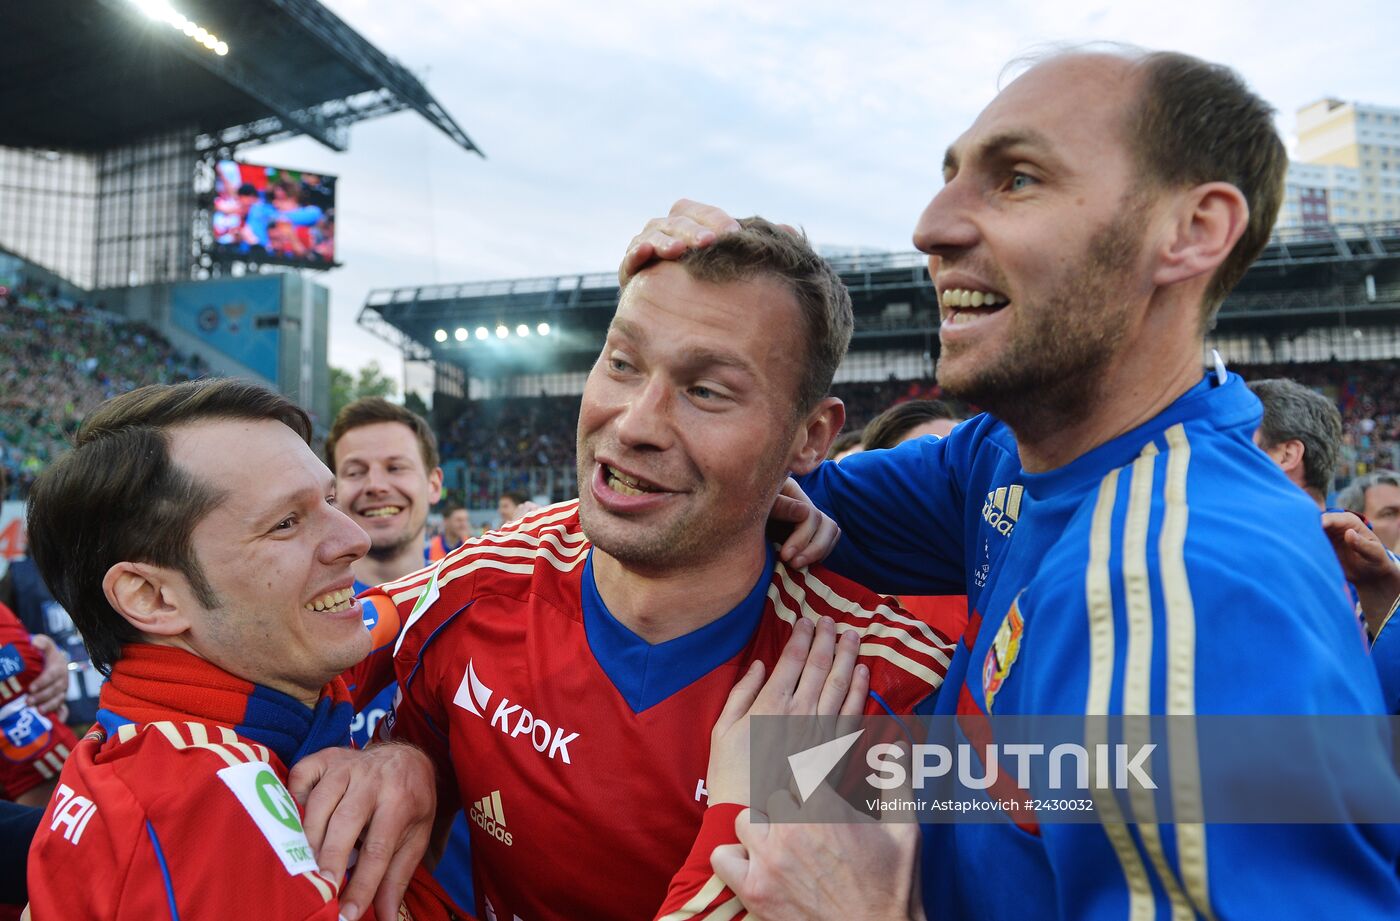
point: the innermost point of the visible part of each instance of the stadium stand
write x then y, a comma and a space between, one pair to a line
504, 441
58, 360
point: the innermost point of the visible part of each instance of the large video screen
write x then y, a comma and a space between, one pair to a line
267, 214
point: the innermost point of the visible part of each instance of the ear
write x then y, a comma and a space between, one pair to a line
148, 597
1209, 221
435, 485
1289, 456
815, 435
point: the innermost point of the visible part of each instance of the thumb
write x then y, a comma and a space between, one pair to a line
731, 865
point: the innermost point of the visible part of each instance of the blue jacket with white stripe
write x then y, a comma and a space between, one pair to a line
1173, 570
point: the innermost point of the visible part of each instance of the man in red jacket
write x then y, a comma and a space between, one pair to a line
193, 535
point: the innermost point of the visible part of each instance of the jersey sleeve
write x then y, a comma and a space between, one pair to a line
180, 827
33, 747
695, 891
1261, 629
20, 660
901, 512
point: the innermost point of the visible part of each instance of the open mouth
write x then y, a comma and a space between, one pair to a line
626, 484
387, 511
965, 305
332, 602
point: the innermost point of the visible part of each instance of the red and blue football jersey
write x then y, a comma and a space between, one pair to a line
33, 747
577, 749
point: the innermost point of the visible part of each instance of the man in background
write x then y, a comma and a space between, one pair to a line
1376, 498
514, 505
1302, 433
456, 527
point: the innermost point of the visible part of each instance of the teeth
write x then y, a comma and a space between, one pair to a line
334, 601
628, 486
966, 297
383, 512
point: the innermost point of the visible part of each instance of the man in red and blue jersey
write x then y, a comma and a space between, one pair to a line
565, 672
33, 744
1091, 222
194, 537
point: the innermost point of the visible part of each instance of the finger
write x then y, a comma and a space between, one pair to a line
638, 254
708, 216
817, 667
372, 862
854, 705
731, 865
802, 534
320, 804
751, 827
843, 668
828, 534
343, 830
395, 884
741, 697
788, 669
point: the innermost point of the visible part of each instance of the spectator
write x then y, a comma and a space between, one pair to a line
1301, 432
1376, 498
905, 421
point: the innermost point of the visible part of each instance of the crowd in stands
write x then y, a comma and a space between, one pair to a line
510, 434
58, 360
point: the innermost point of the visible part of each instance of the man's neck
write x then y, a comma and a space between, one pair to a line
660, 605
1146, 376
376, 570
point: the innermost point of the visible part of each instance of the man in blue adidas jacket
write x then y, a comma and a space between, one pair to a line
1110, 515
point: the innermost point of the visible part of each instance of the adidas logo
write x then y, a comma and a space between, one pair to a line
1002, 508
490, 818
513, 720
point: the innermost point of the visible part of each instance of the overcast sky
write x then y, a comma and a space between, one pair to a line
595, 116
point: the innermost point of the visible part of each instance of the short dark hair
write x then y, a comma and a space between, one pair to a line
370, 410
452, 507
760, 248
1292, 412
1198, 122
118, 496
516, 496
889, 428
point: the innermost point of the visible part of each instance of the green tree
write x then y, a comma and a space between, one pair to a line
371, 381
414, 402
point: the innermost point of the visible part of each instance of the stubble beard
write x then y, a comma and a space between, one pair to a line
686, 541
1048, 375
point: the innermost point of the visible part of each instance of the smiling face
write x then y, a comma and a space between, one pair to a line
277, 553
383, 485
687, 425
1036, 238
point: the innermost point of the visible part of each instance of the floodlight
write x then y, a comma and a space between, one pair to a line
522, 330
502, 332
543, 329
481, 332
440, 335
461, 334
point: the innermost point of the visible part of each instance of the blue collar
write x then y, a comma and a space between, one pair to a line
1227, 404
645, 674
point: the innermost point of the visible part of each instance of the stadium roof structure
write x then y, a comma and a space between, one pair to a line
88, 75
1305, 275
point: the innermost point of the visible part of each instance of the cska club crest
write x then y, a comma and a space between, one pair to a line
1005, 646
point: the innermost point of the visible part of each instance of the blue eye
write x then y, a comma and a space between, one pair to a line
1020, 181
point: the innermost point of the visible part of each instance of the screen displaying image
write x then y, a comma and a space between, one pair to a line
262, 213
